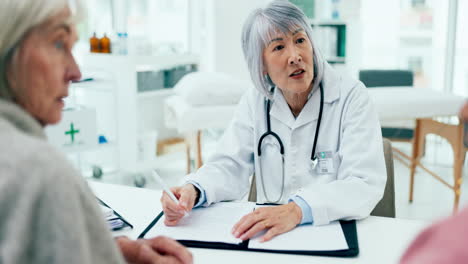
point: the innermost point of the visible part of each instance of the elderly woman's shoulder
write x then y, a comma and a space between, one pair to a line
29, 159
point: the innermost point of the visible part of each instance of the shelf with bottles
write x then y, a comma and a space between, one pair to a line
97, 93
138, 109
100, 45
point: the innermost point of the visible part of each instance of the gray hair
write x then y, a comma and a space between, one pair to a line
259, 28
17, 18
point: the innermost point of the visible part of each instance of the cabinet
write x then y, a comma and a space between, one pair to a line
87, 132
330, 37
134, 117
329, 31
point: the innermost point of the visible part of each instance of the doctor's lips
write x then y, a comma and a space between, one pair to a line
297, 74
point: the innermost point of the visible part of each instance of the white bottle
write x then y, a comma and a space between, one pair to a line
124, 44
121, 43
335, 10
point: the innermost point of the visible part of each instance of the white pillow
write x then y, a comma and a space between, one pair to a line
204, 88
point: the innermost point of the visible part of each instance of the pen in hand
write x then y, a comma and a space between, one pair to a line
166, 189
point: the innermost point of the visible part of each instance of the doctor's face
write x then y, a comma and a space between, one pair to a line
289, 62
42, 68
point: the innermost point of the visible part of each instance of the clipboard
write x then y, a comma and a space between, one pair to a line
117, 216
348, 227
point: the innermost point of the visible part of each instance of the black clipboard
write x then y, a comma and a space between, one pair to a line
349, 230
117, 216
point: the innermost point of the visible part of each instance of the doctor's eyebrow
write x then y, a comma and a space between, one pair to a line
275, 39
280, 39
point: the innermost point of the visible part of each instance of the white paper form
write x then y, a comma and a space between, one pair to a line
305, 237
210, 224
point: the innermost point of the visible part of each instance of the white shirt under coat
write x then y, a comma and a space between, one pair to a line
347, 185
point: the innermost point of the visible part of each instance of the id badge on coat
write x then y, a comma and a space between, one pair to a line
325, 162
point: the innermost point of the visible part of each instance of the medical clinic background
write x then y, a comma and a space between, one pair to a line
331, 110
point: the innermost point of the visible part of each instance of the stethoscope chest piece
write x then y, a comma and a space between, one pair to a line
314, 163
269, 132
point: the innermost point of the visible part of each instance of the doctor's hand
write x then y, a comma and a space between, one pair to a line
151, 251
276, 219
187, 195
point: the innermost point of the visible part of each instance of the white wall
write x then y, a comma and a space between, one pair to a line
460, 83
350, 13
388, 45
380, 27
219, 35
439, 44
217, 27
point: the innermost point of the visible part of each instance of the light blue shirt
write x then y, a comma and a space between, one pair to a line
307, 217
202, 198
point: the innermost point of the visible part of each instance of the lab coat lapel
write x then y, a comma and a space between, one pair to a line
311, 110
280, 109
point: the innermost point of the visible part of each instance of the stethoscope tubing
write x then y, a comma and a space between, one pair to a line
269, 132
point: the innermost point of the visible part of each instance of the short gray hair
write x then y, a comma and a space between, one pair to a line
17, 18
262, 23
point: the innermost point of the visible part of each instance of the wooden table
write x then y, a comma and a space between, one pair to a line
423, 106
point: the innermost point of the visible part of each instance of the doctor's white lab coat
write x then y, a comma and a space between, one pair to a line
349, 181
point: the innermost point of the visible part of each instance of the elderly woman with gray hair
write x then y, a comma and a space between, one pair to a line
48, 214
310, 136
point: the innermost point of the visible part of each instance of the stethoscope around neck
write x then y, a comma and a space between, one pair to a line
269, 132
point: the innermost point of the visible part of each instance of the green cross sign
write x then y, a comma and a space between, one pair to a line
72, 132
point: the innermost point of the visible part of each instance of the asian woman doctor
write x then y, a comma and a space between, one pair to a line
310, 135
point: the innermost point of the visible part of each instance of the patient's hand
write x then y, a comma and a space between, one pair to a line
277, 219
156, 250
186, 195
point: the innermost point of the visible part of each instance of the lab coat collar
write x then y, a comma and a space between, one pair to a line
280, 109
331, 88
331, 85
